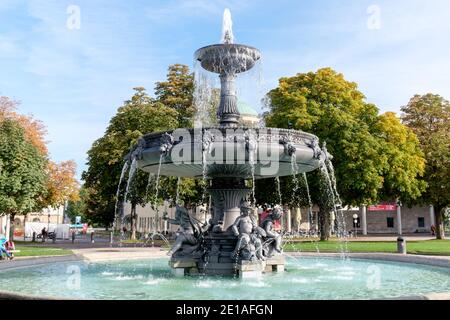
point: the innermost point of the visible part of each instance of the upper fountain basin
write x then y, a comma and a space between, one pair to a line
227, 58
228, 152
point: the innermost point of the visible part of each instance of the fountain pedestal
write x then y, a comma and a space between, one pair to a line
227, 195
217, 260
275, 264
250, 269
182, 266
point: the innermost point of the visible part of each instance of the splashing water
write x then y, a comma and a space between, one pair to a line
330, 169
177, 196
294, 168
278, 184
158, 176
206, 148
331, 193
151, 237
132, 173
149, 183
227, 28
252, 158
339, 213
205, 97
122, 177
310, 205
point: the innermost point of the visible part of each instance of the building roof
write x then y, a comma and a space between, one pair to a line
245, 109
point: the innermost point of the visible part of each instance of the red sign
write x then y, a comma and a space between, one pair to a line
383, 207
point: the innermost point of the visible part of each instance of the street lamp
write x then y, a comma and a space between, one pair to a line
355, 223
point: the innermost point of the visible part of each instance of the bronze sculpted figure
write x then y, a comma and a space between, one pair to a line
249, 245
187, 238
272, 239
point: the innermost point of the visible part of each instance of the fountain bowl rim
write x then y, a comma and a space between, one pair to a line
225, 45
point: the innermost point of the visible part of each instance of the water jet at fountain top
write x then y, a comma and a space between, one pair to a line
227, 28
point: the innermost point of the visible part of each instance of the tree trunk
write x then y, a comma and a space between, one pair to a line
133, 222
439, 218
324, 224
11, 226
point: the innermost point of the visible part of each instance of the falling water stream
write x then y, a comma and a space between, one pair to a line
294, 168
131, 175
310, 204
158, 176
331, 193
278, 184
177, 195
122, 177
252, 144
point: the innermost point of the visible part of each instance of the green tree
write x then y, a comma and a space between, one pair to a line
177, 93
98, 210
77, 207
327, 105
404, 158
22, 171
429, 117
190, 191
138, 116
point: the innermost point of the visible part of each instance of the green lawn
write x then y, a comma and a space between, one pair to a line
434, 247
35, 251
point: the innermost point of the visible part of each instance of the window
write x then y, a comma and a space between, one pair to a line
421, 222
390, 222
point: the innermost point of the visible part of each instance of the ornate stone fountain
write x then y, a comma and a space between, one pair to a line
229, 157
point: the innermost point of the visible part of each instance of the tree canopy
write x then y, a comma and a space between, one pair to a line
177, 93
36, 181
62, 186
172, 108
429, 117
22, 170
34, 129
368, 166
138, 116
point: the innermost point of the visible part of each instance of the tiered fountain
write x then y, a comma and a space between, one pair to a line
230, 158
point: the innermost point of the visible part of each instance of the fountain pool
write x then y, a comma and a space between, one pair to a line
305, 278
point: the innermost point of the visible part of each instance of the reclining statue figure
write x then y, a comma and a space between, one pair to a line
249, 245
188, 233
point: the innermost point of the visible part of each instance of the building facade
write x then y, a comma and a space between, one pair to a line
48, 215
361, 221
367, 220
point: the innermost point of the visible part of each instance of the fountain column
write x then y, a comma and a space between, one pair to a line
228, 113
227, 196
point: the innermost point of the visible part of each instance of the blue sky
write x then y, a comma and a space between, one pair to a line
74, 79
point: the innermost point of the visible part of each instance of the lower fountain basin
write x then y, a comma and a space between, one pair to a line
304, 278
231, 152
